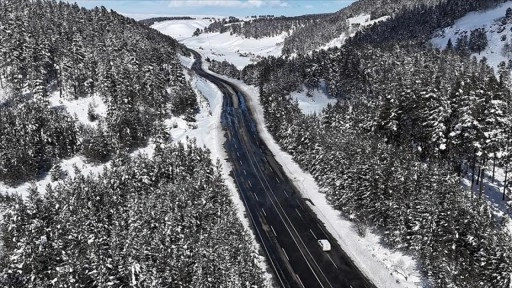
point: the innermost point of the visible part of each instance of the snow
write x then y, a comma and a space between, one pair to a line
315, 103
221, 46
383, 266
79, 107
493, 193
3, 93
490, 21
355, 24
187, 62
360, 19
67, 166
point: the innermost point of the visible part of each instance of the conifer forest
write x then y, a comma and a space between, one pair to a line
413, 138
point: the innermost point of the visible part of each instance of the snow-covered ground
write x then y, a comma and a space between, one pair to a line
356, 23
3, 94
80, 107
315, 102
385, 267
77, 108
490, 20
493, 193
221, 46
67, 166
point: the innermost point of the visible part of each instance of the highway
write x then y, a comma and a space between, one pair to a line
285, 226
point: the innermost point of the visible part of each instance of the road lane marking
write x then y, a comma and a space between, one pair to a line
274, 231
255, 196
332, 261
312, 233
298, 212
285, 254
250, 185
238, 154
286, 193
262, 210
300, 281
241, 162
320, 228
277, 180
254, 163
259, 233
245, 172
297, 200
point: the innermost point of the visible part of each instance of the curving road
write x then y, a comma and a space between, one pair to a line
284, 225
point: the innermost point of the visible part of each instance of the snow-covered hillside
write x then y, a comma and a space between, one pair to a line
221, 46
498, 30
355, 24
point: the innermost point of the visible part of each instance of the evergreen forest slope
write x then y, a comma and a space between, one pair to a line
422, 15
160, 221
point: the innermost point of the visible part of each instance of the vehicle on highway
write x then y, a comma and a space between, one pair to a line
325, 244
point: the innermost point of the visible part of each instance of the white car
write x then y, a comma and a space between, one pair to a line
324, 243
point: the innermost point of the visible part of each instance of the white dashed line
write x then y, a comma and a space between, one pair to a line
332, 261
286, 255
302, 285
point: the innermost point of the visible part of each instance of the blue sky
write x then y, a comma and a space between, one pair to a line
140, 8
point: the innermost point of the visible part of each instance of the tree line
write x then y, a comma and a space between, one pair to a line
165, 221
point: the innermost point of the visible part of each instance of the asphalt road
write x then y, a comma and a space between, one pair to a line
286, 228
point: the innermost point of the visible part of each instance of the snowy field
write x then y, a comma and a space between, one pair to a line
490, 21
78, 108
221, 46
315, 102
